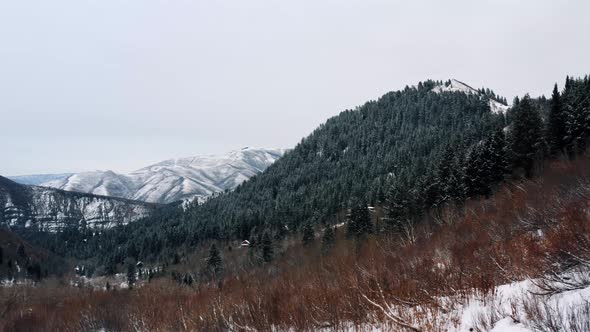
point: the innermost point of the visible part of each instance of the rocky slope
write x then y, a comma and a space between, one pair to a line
48, 209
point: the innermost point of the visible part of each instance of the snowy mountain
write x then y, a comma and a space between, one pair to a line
37, 179
458, 86
174, 179
48, 209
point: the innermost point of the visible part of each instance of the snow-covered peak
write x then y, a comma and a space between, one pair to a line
251, 156
189, 178
454, 85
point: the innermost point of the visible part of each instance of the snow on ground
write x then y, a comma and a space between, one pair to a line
509, 302
508, 325
497, 107
455, 86
507, 309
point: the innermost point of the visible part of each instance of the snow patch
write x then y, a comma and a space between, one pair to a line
498, 108
454, 85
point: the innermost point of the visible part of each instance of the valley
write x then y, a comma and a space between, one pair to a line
294, 166
433, 208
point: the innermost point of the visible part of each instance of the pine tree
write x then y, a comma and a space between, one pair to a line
398, 207
175, 259
21, 254
527, 139
360, 220
445, 175
267, 247
308, 233
214, 261
34, 271
557, 124
485, 165
577, 111
131, 277
474, 180
429, 189
456, 185
328, 239
500, 164
1, 256
188, 279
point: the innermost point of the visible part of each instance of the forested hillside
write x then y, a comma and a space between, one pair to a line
410, 151
19, 259
352, 159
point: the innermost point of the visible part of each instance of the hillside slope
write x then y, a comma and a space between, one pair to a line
354, 156
20, 259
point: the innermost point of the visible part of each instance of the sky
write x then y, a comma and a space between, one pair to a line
121, 84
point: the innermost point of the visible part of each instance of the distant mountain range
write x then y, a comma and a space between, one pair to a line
38, 179
167, 181
50, 210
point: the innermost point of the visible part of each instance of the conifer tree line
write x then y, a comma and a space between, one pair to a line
410, 151
474, 171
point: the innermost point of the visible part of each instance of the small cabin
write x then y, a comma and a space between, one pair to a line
245, 243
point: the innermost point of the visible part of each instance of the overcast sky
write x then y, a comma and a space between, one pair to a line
119, 84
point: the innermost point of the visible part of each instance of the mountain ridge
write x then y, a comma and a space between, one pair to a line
37, 179
188, 178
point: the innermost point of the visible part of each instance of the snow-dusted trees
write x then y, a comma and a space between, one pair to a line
131, 274
450, 177
556, 124
328, 239
214, 260
267, 247
398, 207
486, 164
527, 136
308, 234
359, 223
576, 108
